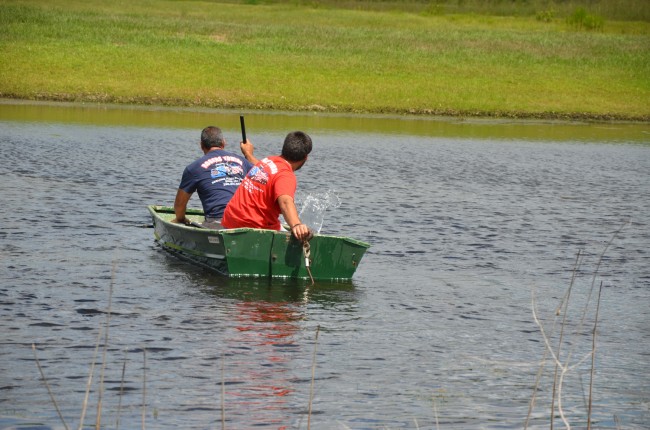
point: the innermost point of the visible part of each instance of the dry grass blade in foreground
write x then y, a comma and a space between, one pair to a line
313, 376
49, 391
565, 365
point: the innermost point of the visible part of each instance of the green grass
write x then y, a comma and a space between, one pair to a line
617, 10
320, 57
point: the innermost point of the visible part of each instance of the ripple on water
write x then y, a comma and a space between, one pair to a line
436, 327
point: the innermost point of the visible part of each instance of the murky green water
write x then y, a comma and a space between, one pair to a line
466, 220
143, 116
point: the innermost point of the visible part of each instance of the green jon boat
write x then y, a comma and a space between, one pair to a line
249, 252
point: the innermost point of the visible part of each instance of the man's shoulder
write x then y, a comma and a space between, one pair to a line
279, 161
232, 154
221, 155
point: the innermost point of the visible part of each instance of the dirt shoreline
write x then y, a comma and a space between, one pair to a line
182, 103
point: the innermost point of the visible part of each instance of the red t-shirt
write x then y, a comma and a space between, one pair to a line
255, 201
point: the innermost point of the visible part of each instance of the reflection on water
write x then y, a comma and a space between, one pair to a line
464, 219
197, 118
266, 331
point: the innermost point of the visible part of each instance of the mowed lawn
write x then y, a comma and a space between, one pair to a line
287, 56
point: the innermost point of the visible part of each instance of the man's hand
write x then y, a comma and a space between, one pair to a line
288, 209
247, 149
301, 232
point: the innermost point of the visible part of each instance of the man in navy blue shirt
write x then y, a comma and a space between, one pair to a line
215, 176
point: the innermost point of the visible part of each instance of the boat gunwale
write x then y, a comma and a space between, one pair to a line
156, 210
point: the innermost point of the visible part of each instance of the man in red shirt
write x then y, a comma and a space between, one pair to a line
269, 188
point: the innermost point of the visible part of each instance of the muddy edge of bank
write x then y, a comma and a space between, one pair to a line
146, 101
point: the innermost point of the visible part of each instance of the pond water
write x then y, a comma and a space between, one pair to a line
468, 222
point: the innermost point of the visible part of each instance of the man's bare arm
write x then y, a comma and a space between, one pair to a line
290, 214
180, 205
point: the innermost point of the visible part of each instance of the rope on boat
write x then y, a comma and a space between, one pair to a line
306, 250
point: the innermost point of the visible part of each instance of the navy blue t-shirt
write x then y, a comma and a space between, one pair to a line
215, 176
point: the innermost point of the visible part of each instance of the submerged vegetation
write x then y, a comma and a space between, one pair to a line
527, 58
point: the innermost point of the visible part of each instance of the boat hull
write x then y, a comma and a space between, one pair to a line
247, 252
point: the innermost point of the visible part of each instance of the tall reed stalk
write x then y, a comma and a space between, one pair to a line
565, 365
49, 390
98, 418
313, 377
223, 391
119, 405
593, 359
144, 386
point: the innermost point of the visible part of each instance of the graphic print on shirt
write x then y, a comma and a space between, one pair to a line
258, 175
225, 169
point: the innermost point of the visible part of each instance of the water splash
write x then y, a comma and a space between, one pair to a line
313, 207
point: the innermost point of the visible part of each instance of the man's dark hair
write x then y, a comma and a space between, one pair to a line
297, 145
212, 137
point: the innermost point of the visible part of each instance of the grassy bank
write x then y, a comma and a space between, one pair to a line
320, 57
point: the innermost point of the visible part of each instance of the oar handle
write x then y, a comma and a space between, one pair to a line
243, 128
